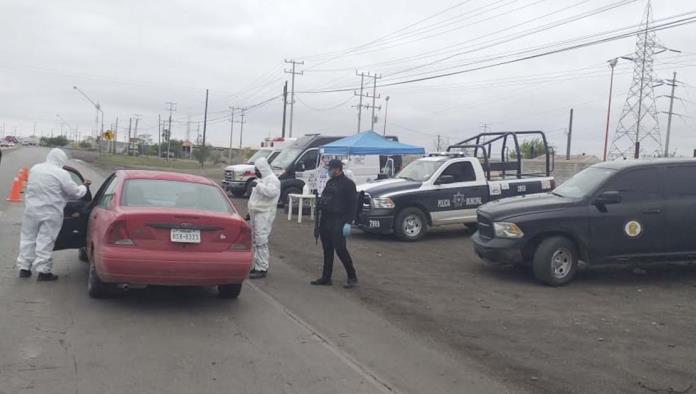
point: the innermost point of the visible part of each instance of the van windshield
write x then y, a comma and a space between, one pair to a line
584, 183
259, 154
285, 158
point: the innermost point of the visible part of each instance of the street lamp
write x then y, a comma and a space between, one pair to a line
386, 108
612, 64
97, 106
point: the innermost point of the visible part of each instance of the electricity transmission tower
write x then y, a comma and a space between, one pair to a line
638, 131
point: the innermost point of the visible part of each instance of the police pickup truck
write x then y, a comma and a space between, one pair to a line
447, 188
621, 211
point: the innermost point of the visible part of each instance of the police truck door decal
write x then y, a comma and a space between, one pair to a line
633, 228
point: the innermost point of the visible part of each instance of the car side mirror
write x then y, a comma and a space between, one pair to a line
444, 179
608, 198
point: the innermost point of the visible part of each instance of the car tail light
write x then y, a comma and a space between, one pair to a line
118, 235
243, 242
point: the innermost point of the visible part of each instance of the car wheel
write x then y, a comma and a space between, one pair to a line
96, 288
229, 291
82, 254
410, 224
555, 261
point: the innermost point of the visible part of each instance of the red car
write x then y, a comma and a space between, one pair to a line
158, 228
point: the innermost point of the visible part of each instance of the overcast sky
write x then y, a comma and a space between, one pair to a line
134, 56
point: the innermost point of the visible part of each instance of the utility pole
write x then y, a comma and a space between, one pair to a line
205, 116
159, 136
570, 134
292, 88
135, 132
232, 130
669, 116
113, 149
612, 64
285, 104
241, 127
386, 108
130, 124
374, 97
360, 104
172, 108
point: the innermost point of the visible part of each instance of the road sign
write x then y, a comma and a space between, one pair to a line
109, 135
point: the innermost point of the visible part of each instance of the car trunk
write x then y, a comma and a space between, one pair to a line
182, 229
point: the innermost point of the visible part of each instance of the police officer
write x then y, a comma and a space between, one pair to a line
337, 211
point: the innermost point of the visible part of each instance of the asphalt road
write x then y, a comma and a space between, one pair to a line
280, 336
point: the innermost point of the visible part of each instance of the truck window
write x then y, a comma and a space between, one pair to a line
681, 181
462, 171
309, 159
635, 185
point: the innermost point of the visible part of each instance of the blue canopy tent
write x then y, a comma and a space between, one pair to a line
370, 143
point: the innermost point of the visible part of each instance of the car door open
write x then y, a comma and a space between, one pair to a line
75, 216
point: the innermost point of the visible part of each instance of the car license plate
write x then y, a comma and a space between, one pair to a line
185, 236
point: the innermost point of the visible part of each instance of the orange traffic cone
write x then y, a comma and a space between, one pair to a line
15, 192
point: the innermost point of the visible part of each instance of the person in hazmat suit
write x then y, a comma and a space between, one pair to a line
48, 190
262, 210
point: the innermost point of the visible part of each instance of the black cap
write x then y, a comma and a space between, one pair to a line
335, 163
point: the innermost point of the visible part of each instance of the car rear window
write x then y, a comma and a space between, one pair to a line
173, 194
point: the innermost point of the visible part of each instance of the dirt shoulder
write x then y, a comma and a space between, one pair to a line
611, 330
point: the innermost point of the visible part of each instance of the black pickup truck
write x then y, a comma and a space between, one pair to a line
621, 211
446, 188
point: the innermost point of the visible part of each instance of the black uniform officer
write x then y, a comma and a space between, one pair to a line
337, 205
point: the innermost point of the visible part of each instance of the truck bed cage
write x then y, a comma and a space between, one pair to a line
484, 142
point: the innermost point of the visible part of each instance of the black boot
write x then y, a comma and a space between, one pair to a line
46, 277
258, 274
321, 282
350, 283
24, 273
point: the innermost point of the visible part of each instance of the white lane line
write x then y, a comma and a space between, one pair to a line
361, 369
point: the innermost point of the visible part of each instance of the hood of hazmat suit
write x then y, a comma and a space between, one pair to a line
50, 187
264, 197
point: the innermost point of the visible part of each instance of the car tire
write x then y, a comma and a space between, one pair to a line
555, 261
410, 225
229, 291
82, 254
96, 288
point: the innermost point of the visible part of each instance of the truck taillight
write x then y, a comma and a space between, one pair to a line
243, 241
118, 235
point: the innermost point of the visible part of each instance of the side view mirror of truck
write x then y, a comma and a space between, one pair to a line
608, 198
444, 180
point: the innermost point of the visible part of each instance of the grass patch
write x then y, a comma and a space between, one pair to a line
154, 163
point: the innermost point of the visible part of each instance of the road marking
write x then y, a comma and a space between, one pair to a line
361, 369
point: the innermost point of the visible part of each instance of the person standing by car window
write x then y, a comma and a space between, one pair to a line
262, 210
48, 190
337, 207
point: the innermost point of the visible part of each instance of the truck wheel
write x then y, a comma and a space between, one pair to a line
284, 198
96, 288
229, 291
410, 224
249, 188
555, 261
82, 254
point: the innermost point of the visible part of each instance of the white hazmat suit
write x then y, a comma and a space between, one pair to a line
262, 210
48, 190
